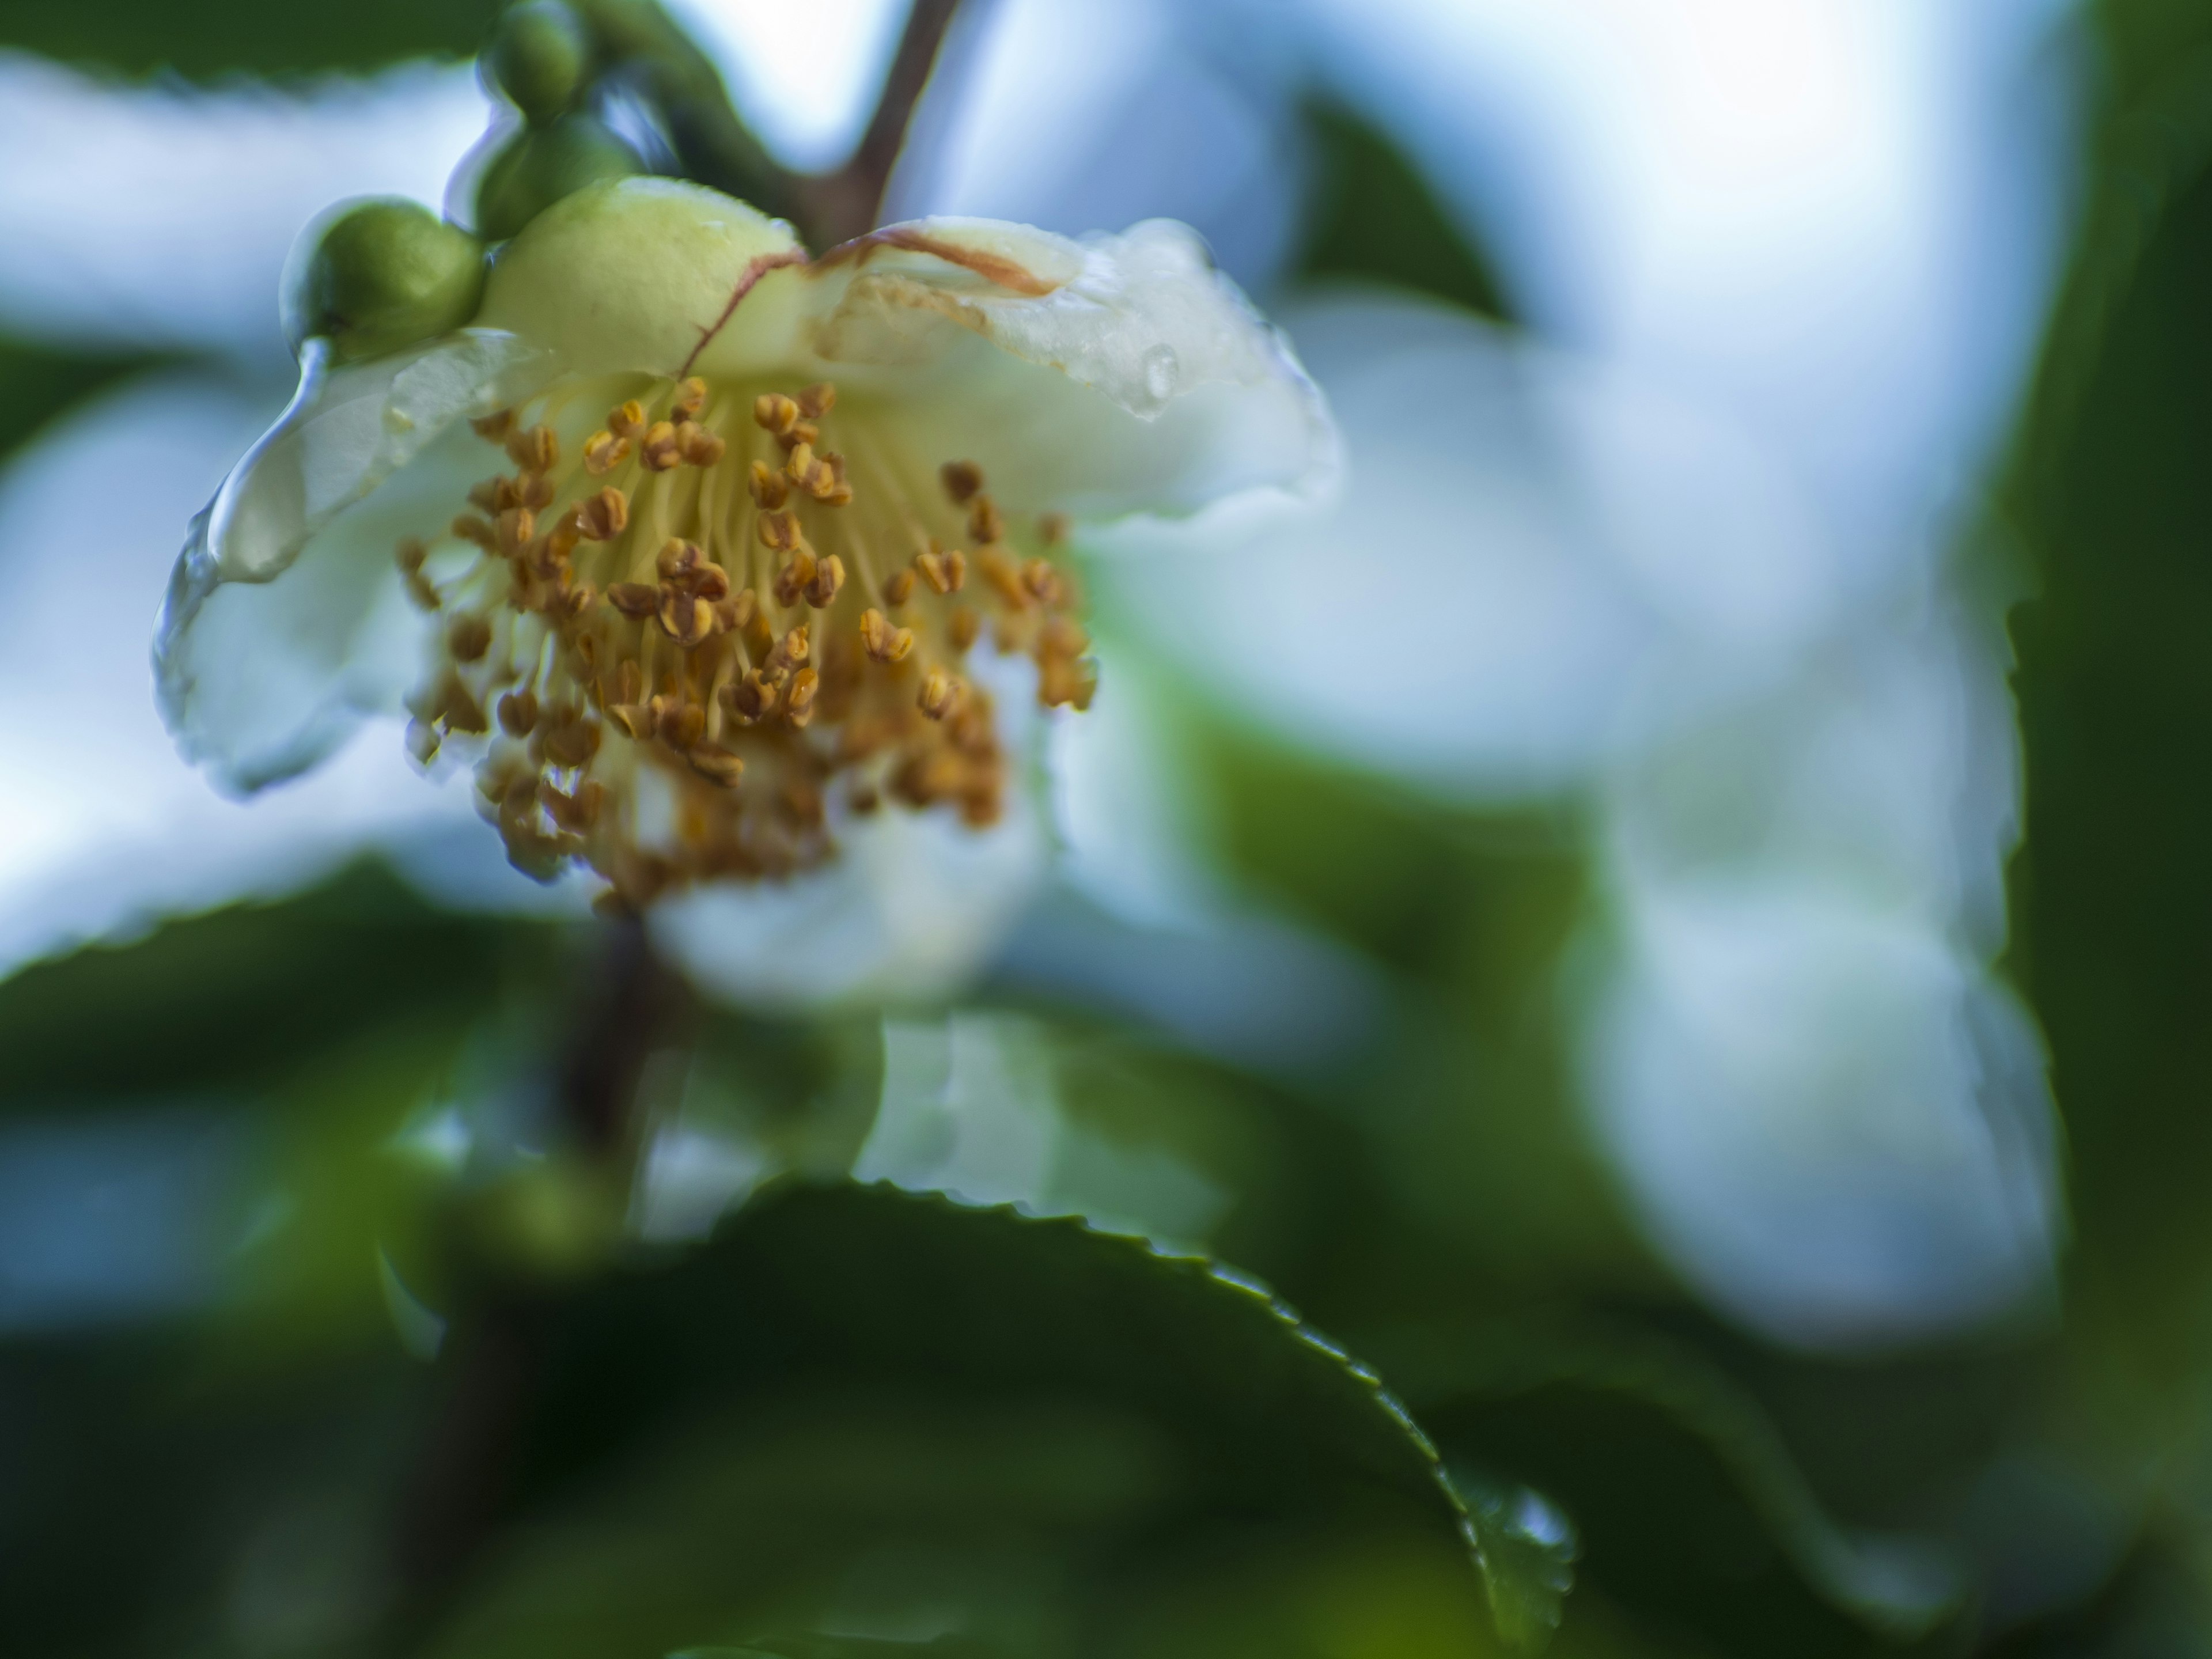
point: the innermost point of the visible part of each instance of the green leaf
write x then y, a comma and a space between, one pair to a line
1376, 218
249, 37
1691, 1512
2112, 895
39, 383
863, 1411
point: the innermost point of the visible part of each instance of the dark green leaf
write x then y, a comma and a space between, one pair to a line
1374, 217
251, 36
39, 383
862, 1409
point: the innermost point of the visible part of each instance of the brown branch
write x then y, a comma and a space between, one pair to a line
846, 203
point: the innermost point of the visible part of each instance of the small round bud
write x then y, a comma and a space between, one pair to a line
542, 165
539, 56
379, 273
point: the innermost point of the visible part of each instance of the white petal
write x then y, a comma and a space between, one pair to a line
285, 620
1832, 1123
1115, 376
910, 909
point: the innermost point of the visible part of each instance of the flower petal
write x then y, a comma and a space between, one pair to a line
1117, 374
259, 679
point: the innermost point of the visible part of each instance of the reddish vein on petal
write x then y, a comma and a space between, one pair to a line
754, 270
995, 269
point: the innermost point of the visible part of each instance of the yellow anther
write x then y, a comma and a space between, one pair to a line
690, 398
635, 600
604, 452
802, 432
678, 724
829, 577
817, 400
799, 466
774, 412
1062, 637
495, 426
778, 530
1052, 528
944, 572
770, 488
535, 449
603, 517
516, 526
962, 480
468, 638
898, 588
717, 766
660, 452
1006, 582
883, 641
490, 496
700, 447
1044, 582
737, 611
518, 713
685, 617
575, 601
984, 522
794, 579
537, 490
939, 694
1066, 680
790, 653
799, 697
571, 742
679, 561
572, 812
471, 528
962, 627
627, 420
750, 698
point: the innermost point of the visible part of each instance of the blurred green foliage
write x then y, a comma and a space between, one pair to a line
245, 37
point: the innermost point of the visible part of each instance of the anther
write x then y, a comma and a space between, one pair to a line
411, 553
717, 766
962, 480
638, 719
1062, 637
939, 694
1044, 582
690, 398
778, 530
468, 638
802, 432
603, 517
537, 490
774, 412
535, 450
794, 579
518, 713
770, 488
471, 528
737, 611
516, 526
604, 452
571, 742
944, 572
883, 642
1065, 680
495, 426
962, 627
637, 600
661, 452
985, 523
750, 698
817, 400
790, 653
1005, 579
700, 447
627, 420
898, 588
799, 697
685, 617
829, 577
678, 724
574, 813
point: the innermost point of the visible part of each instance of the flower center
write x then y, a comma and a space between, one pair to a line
703, 635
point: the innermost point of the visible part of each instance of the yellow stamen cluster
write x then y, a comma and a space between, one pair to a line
693, 637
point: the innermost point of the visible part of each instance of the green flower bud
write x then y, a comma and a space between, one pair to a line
538, 57
379, 273
543, 164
